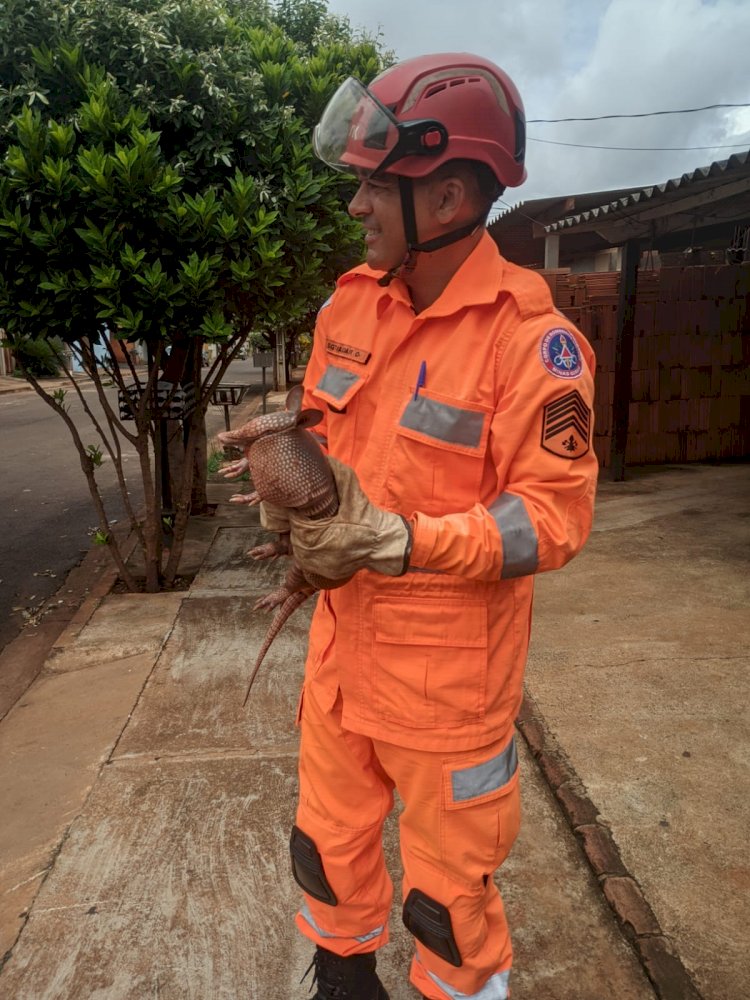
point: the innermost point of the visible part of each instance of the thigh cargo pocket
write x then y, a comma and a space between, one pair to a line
481, 806
429, 660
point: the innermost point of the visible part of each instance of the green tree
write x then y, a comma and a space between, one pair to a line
158, 188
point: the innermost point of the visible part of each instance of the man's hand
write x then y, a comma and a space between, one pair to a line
359, 536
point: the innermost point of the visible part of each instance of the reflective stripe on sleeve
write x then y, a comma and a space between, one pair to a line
472, 782
320, 439
444, 422
362, 938
520, 543
337, 382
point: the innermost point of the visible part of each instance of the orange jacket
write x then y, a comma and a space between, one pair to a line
474, 420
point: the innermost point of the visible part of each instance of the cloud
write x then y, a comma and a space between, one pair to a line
572, 58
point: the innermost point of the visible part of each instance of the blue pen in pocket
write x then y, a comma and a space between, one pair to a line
421, 378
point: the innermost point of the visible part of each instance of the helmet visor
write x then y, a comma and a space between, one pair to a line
356, 132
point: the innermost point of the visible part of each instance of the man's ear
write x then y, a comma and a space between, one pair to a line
450, 197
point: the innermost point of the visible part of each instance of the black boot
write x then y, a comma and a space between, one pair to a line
351, 978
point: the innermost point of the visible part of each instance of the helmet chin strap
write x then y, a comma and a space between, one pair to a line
414, 247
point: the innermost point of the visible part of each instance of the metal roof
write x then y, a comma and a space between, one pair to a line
639, 207
535, 208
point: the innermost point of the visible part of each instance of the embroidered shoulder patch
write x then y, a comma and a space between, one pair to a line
566, 426
560, 353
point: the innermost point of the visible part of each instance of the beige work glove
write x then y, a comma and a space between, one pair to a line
359, 536
274, 518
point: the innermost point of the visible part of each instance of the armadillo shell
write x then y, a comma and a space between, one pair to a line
289, 469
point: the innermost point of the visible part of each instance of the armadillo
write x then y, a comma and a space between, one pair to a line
289, 469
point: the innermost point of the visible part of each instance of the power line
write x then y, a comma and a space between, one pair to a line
643, 114
640, 149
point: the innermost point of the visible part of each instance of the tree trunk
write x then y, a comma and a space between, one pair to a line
199, 496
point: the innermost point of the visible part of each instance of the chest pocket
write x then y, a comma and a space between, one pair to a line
339, 388
438, 454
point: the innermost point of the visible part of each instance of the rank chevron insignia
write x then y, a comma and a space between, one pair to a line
566, 426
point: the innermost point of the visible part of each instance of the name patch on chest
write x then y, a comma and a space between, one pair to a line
347, 351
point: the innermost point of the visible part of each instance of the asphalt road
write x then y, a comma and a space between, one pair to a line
48, 512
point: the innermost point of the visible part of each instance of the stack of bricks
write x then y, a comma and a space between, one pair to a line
690, 398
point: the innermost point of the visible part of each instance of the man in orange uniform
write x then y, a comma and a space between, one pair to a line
458, 414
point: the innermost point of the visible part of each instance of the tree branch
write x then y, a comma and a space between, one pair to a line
87, 466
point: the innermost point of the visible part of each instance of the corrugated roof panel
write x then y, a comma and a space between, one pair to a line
701, 174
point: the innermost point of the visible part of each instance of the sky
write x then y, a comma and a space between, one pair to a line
579, 58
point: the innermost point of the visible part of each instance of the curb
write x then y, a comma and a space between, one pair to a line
7, 388
656, 952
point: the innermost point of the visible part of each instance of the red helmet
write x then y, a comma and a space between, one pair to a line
423, 112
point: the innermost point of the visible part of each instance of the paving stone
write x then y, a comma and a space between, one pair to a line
627, 901
671, 980
53, 744
555, 770
601, 850
533, 733
123, 625
194, 702
579, 809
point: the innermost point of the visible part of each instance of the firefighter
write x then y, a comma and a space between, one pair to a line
458, 418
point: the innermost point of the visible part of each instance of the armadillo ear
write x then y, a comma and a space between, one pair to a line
309, 418
294, 399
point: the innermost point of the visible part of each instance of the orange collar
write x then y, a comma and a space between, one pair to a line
476, 282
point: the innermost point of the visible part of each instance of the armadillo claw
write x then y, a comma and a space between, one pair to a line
269, 550
272, 600
249, 498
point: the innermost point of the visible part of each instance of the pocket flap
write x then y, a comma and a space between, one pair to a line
338, 386
483, 780
426, 622
453, 424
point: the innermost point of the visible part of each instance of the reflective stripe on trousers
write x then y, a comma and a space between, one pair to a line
496, 988
361, 938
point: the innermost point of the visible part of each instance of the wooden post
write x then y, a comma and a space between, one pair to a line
624, 358
280, 360
551, 251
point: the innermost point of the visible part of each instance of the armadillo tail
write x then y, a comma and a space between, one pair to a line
285, 612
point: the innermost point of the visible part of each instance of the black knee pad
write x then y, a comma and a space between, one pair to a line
430, 923
307, 868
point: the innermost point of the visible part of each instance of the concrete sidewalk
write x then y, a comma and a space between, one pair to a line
144, 847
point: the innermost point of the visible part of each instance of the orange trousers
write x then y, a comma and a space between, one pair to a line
460, 816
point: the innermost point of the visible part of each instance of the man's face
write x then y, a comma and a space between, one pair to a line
377, 205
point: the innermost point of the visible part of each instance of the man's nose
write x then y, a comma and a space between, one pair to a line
360, 203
